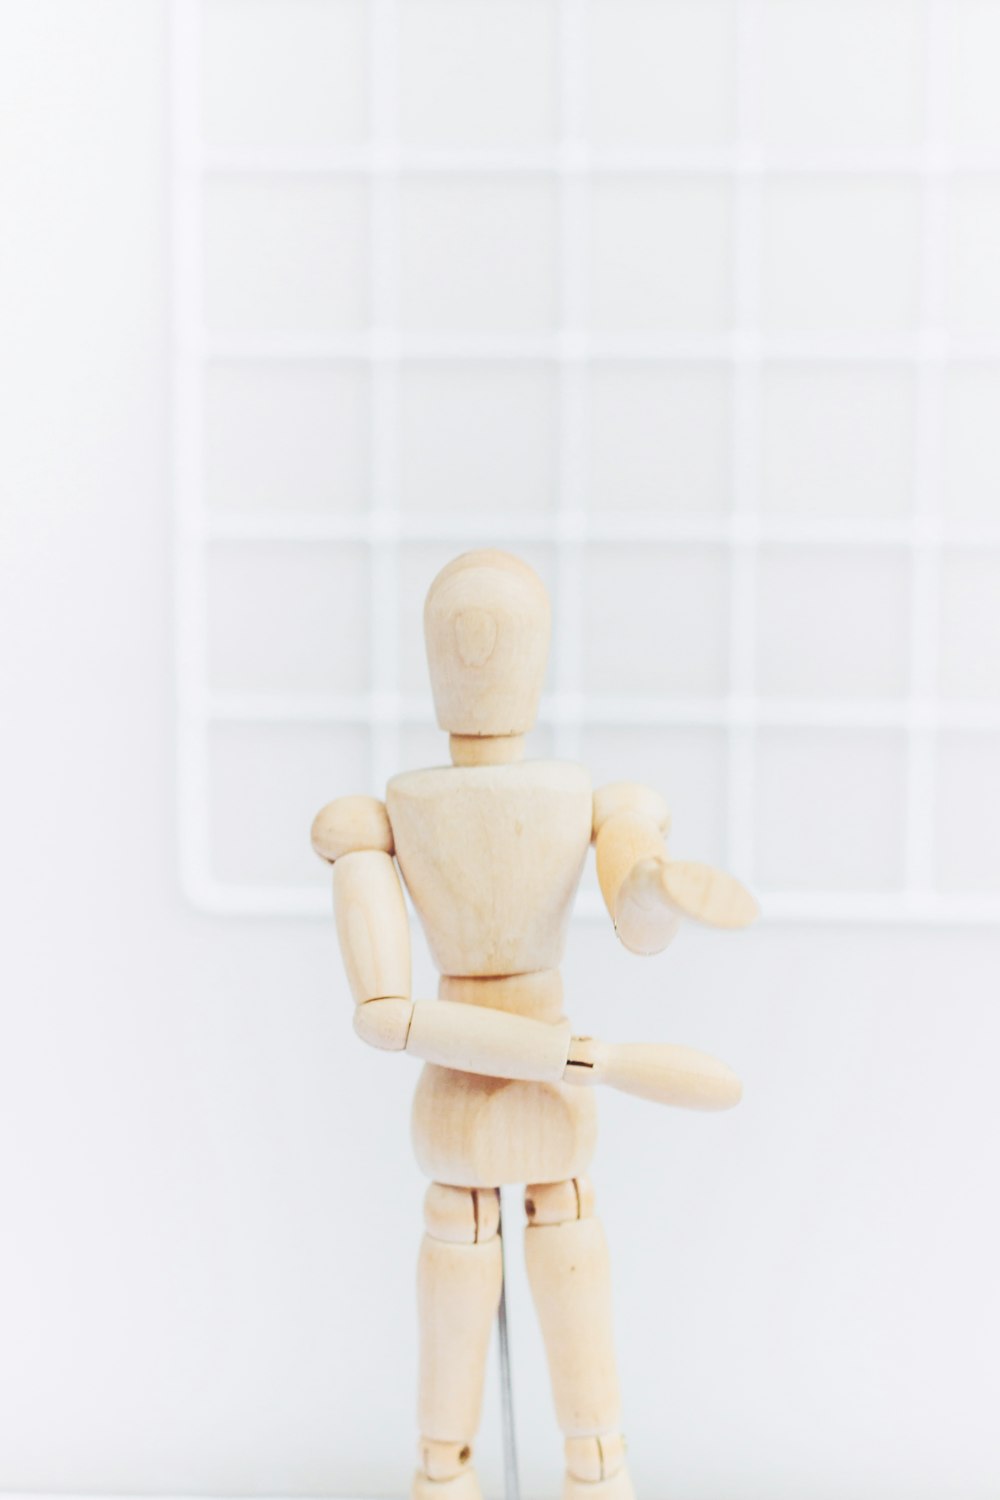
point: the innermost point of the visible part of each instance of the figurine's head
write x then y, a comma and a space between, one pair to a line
487, 626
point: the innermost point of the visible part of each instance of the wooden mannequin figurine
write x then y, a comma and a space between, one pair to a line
491, 849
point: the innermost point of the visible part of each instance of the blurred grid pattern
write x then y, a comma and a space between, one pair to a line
694, 304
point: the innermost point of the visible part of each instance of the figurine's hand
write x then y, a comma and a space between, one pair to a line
657, 892
666, 1074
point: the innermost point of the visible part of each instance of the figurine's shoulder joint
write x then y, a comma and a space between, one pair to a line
629, 797
351, 824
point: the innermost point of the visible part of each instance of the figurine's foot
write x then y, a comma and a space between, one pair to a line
464, 1486
618, 1487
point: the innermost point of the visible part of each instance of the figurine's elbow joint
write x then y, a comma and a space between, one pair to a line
384, 1023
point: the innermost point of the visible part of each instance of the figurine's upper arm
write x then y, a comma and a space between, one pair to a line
355, 836
630, 825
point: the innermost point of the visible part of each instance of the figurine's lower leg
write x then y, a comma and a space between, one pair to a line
570, 1276
458, 1289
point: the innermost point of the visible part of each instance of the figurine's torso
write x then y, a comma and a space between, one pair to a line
492, 857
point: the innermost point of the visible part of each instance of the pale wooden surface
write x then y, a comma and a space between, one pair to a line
630, 796
372, 925
659, 1071
487, 623
492, 857
349, 824
538, 995
474, 1039
570, 1275
485, 750
486, 1132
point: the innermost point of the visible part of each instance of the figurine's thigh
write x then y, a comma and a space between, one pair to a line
570, 1275
458, 1289
483, 1132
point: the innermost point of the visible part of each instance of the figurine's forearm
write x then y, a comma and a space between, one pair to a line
469, 1038
629, 826
474, 1039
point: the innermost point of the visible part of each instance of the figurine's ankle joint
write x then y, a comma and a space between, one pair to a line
443, 1460
559, 1202
595, 1458
461, 1216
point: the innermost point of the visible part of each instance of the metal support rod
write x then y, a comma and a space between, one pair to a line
511, 1483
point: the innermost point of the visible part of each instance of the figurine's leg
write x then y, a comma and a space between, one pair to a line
567, 1260
458, 1289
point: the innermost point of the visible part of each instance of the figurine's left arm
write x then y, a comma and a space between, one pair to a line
645, 891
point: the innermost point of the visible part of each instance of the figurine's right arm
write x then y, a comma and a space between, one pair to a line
354, 834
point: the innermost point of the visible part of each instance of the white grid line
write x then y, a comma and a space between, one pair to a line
744, 459
574, 297
918, 858
383, 461
578, 344
560, 526
187, 422
572, 349
702, 162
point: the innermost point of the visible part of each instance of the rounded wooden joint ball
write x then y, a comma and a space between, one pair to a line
349, 825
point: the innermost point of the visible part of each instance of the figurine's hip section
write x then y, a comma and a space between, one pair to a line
471, 1131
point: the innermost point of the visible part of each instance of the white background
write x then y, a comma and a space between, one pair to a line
208, 1211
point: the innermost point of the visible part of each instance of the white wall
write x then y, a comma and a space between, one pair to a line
208, 1211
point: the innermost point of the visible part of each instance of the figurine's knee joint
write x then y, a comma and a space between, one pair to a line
442, 1460
559, 1202
595, 1458
461, 1216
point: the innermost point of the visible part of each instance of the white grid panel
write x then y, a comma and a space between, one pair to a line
374, 717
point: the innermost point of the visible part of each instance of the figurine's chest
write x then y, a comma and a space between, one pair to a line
492, 856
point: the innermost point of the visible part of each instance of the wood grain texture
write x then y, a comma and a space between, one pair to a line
558, 1202
350, 824
492, 857
538, 995
593, 1458
442, 1460
570, 1276
372, 927
625, 838
384, 1024
462, 1216
659, 1071
474, 1039
483, 1132
465, 1486
485, 749
487, 624
617, 1487
630, 797
458, 1290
